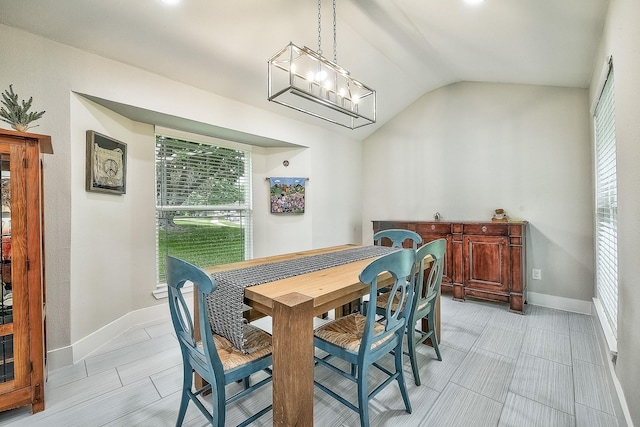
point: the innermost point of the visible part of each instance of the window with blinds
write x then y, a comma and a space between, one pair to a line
606, 203
203, 203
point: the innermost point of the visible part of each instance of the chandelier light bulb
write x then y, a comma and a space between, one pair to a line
310, 76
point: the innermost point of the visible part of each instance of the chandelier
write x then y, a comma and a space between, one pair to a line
306, 81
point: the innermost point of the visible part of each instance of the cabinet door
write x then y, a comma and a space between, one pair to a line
14, 293
486, 263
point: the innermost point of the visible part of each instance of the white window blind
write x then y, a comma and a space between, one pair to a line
203, 203
606, 203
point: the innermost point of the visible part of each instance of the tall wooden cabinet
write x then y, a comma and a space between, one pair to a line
484, 259
22, 307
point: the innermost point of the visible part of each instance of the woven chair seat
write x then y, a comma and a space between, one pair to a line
231, 357
347, 331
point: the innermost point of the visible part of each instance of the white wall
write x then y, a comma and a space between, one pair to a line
272, 232
87, 291
111, 234
468, 148
620, 39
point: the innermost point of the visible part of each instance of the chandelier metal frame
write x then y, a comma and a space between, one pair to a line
304, 80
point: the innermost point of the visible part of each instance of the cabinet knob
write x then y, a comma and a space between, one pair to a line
433, 227
484, 228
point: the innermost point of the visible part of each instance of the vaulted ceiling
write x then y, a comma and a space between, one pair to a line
401, 48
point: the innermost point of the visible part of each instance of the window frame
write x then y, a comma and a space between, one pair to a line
247, 207
606, 206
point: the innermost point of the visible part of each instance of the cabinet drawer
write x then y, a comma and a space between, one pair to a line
433, 227
486, 229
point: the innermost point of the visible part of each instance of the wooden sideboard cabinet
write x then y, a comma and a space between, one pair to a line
22, 310
483, 260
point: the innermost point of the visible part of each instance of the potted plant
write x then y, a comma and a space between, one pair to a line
15, 113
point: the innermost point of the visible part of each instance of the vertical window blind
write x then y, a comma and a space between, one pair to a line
203, 203
606, 203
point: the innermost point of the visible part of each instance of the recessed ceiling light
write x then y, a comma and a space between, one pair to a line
171, 2
473, 2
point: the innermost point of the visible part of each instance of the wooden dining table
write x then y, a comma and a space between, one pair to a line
293, 303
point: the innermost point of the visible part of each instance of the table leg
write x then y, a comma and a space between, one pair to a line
198, 382
293, 360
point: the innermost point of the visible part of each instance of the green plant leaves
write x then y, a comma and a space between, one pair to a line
16, 113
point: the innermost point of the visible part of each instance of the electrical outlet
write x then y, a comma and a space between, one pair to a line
536, 274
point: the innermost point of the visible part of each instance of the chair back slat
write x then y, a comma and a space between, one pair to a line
400, 266
398, 236
429, 284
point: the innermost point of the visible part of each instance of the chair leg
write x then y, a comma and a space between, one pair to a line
401, 383
434, 337
411, 344
219, 407
363, 395
187, 383
246, 383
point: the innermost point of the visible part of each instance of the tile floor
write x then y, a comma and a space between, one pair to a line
498, 369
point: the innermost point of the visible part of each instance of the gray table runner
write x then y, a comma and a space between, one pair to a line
225, 304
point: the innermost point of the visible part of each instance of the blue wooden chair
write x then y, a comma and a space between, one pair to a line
361, 341
397, 236
427, 288
214, 358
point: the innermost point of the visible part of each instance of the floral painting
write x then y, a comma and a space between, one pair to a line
287, 195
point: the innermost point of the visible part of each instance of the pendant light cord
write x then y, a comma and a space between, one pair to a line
335, 43
320, 27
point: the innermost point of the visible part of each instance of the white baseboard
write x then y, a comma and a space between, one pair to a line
559, 303
598, 312
59, 357
69, 355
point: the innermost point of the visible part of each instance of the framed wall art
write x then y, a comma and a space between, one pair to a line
106, 164
287, 195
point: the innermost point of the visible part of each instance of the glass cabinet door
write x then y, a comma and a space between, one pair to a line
6, 294
13, 292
